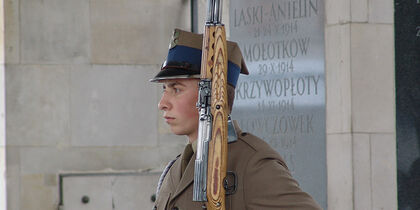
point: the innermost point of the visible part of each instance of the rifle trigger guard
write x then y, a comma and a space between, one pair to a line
230, 188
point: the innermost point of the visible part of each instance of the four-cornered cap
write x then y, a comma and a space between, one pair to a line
184, 58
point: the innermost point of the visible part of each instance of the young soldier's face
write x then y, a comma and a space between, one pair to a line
178, 104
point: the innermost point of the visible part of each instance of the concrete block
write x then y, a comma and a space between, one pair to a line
340, 171
381, 11
362, 172
163, 127
113, 106
36, 195
338, 84
140, 189
13, 159
2, 106
202, 13
225, 17
2, 35
2, 57
120, 191
172, 140
372, 76
135, 32
54, 31
384, 172
13, 177
50, 160
3, 177
359, 11
11, 31
37, 105
168, 153
337, 11
97, 188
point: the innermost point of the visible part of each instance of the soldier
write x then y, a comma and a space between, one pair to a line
258, 178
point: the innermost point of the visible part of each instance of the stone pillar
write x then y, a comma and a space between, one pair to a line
2, 116
360, 106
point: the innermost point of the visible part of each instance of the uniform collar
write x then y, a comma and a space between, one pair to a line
194, 146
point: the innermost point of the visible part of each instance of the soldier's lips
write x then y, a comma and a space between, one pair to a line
169, 119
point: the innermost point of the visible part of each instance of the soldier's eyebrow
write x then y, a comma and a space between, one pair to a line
175, 83
172, 84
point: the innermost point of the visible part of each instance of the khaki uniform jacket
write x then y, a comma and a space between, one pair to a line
263, 181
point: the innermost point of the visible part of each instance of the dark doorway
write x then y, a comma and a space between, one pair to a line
407, 75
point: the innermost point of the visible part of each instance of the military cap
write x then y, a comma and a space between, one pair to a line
184, 58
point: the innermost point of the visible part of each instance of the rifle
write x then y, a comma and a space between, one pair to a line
211, 159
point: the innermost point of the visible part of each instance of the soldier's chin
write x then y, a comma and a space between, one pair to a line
177, 131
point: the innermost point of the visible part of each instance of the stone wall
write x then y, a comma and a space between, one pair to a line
77, 90
78, 96
2, 116
361, 144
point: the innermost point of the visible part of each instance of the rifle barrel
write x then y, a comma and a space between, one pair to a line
214, 12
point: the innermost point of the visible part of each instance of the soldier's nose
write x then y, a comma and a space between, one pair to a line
163, 103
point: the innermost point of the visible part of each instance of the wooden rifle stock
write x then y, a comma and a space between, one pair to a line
214, 67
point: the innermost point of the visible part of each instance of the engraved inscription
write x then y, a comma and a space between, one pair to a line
276, 29
275, 12
279, 43
280, 124
262, 51
279, 67
283, 99
279, 106
248, 16
295, 9
278, 87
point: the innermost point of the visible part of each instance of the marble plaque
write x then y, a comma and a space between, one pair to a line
282, 100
